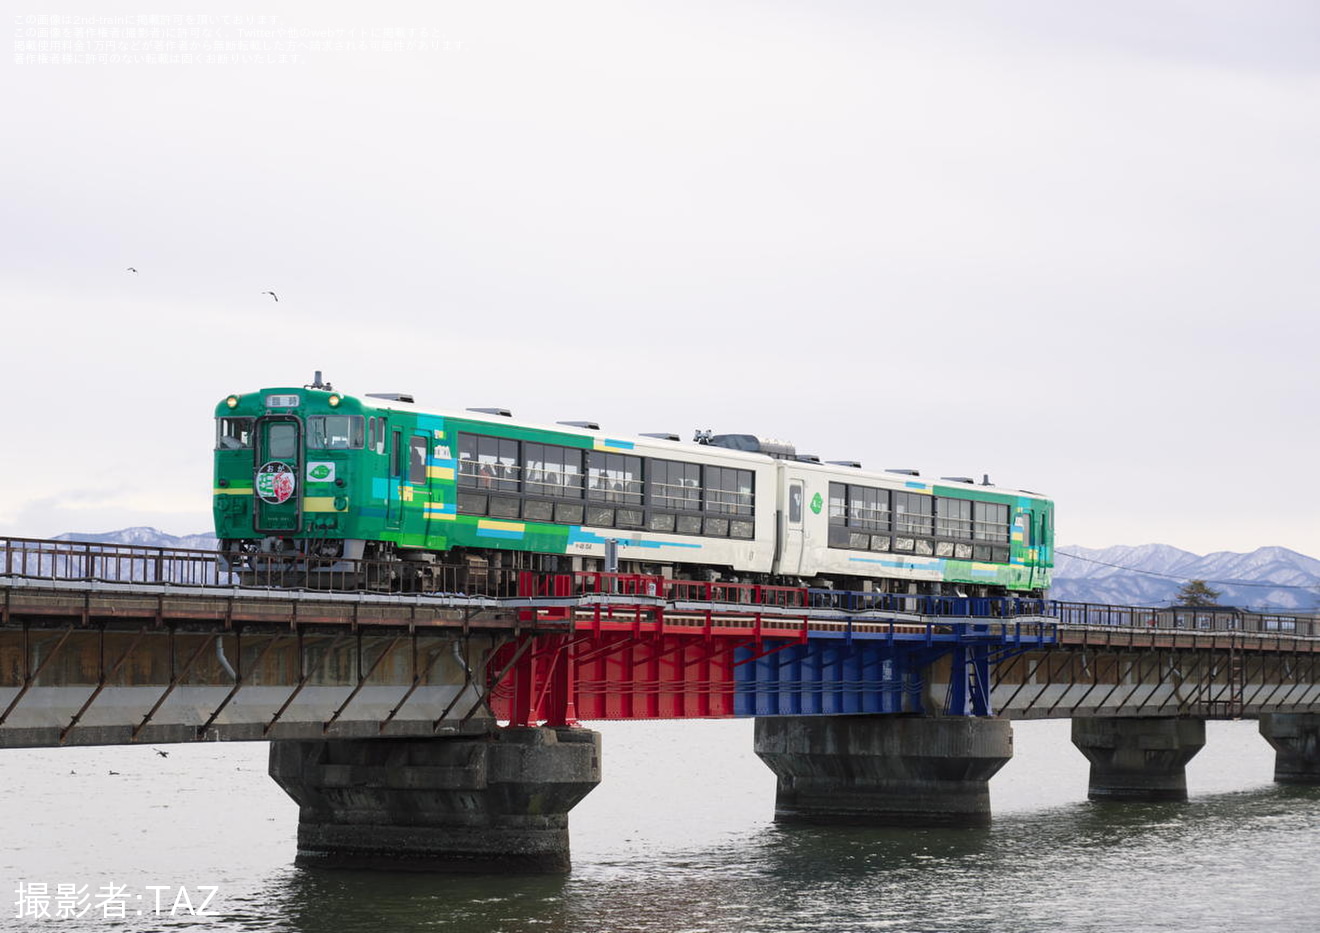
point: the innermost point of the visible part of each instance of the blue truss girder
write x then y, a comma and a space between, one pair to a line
877, 670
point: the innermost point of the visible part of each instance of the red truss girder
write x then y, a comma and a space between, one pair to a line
625, 674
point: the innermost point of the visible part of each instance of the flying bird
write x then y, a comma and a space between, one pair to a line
272, 294
160, 753
132, 270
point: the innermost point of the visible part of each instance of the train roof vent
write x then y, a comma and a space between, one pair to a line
663, 436
856, 465
392, 396
585, 425
905, 472
807, 458
752, 444
959, 479
501, 412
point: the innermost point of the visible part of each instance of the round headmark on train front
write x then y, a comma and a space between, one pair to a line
275, 482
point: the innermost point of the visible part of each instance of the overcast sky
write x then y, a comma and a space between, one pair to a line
1068, 245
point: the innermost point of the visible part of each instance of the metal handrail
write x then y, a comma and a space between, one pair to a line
44, 559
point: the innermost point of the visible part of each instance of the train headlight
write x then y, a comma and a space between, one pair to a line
232, 401
334, 401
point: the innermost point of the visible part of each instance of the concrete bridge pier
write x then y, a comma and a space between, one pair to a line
884, 770
1138, 758
1296, 741
486, 803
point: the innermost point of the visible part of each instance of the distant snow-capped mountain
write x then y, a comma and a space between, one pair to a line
1152, 574
145, 537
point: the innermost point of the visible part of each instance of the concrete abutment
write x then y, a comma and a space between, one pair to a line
1134, 758
1295, 738
489, 803
883, 770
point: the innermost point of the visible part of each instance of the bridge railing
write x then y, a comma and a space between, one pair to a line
83, 561
1184, 618
589, 583
988, 607
39, 559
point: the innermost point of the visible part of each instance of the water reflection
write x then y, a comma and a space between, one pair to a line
314, 900
1212, 864
679, 838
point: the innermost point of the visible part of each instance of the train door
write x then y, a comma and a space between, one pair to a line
1032, 523
418, 480
394, 488
790, 555
277, 500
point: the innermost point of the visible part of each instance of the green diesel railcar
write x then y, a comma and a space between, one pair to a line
310, 472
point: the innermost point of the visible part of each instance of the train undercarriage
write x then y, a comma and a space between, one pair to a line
381, 566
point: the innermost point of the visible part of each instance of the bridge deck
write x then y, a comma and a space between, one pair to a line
103, 643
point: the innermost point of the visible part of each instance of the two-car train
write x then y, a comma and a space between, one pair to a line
310, 471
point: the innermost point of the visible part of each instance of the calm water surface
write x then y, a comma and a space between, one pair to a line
679, 839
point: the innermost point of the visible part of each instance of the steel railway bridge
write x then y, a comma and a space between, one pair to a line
442, 730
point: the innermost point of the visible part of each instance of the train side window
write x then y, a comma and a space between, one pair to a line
396, 454
467, 460
471, 503
990, 522
674, 485
538, 511
689, 524
417, 460
629, 518
568, 513
912, 514
551, 470
376, 435
953, 518
233, 433
614, 478
868, 508
489, 462
795, 503
728, 491
838, 504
